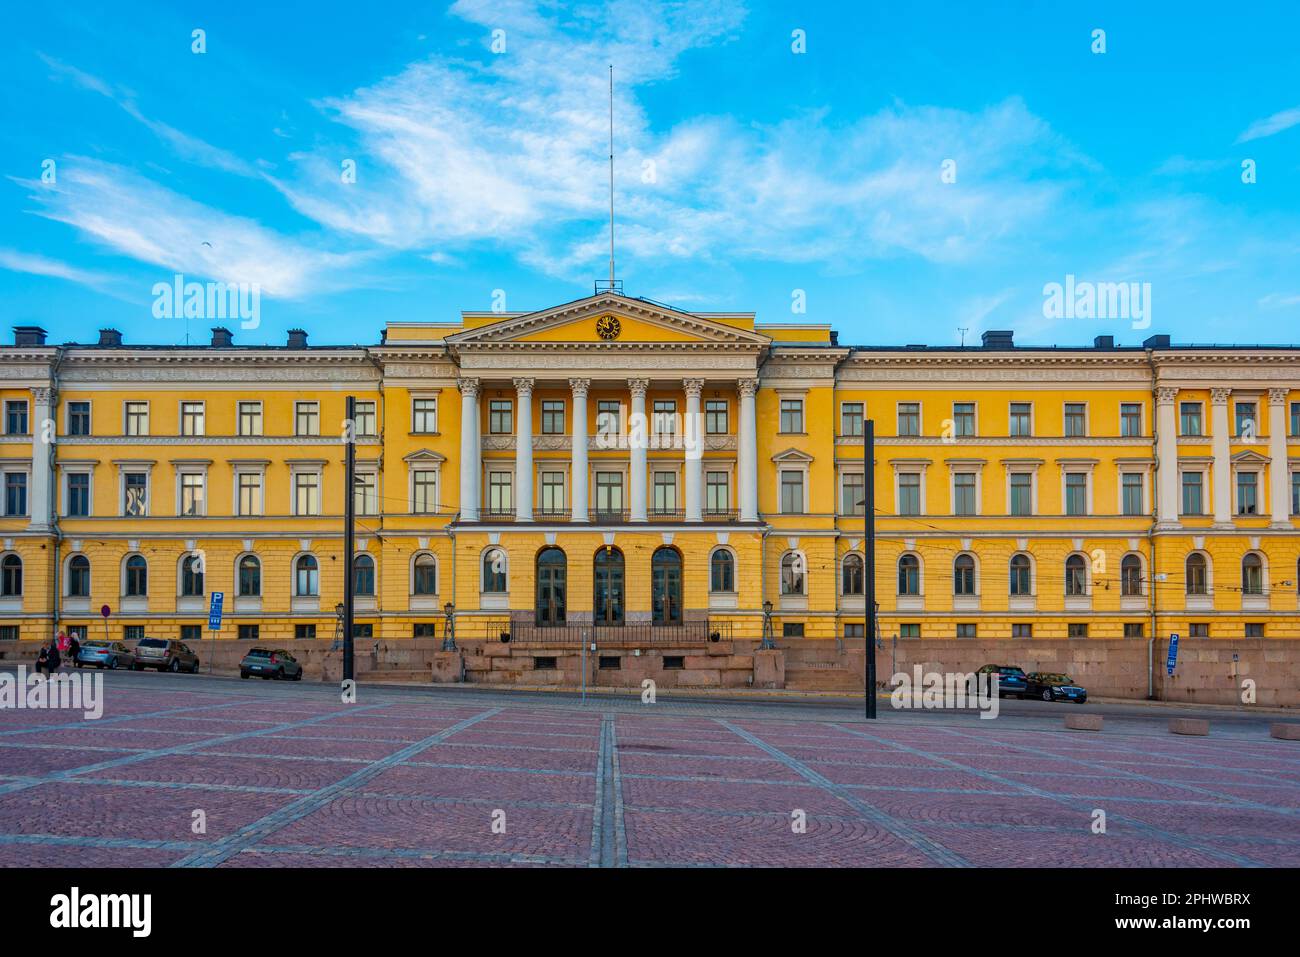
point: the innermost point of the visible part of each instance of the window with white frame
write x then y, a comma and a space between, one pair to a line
424, 491
306, 492
306, 418
424, 415
551, 492
249, 416
793, 567
364, 420
366, 492
76, 494
192, 416
15, 489
500, 499
135, 493
717, 493
853, 494
248, 492
135, 418
792, 498
193, 498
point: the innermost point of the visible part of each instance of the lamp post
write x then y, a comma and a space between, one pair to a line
869, 565
769, 642
338, 625
349, 533
449, 628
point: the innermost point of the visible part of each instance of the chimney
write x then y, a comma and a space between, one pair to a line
110, 337
221, 337
297, 339
998, 339
29, 336
1104, 342
1156, 342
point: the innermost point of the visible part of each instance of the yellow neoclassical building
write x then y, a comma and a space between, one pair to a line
613, 462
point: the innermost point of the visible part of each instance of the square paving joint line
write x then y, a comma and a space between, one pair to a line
231, 845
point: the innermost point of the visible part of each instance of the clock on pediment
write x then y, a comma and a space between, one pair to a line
608, 327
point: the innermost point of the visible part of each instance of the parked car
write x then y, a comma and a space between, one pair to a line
165, 655
275, 664
105, 654
1011, 679
1055, 687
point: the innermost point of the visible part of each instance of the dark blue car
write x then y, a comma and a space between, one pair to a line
1011, 680
1055, 687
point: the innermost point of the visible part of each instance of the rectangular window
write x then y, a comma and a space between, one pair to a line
791, 492
717, 493
1295, 493
192, 493
1295, 419
715, 417
853, 494
1133, 493
303, 632
1076, 493
424, 629
135, 494
424, 416
1193, 499
609, 494
664, 500
364, 419
851, 418
1254, 629
136, 418
963, 419
501, 420
792, 629
553, 417
500, 488
608, 417
250, 493
1077, 629
192, 418
1247, 424
552, 492
16, 417
1022, 493
664, 417
792, 415
909, 629
15, 493
250, 418
306, 418
132, 632
1021, 421
78, 504
1198, 629
248, 632
1130, 419
966, 630
1022, 631
191, 632
963, 493
365, 493
306, 493
1132, 629
855, 629
1247, 493
909, 493
909, 418
424, 491
78, 418
1076, 416
1189, 419
8, 632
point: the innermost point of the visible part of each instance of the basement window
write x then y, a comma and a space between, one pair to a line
611, 662
674, 662
544, 663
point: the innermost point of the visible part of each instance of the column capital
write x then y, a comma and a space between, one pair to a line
468, 387
1219, 396
1165, 395
1277, 397
580, 386
524, 386
693, 387
747, 387
42, 394
638, 387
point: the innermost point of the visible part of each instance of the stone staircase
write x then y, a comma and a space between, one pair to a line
821, 667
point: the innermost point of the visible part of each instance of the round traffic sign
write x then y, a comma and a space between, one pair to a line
106, 611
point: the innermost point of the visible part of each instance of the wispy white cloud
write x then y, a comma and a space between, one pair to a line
37, 265
1271, 125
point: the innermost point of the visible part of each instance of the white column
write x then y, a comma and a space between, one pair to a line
524, 451
1222, 456
1278, 470
694, 442
638, 440
41, 496
1167, 457
578, 453
747, 461
469, 449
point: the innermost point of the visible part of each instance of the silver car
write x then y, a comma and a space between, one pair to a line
105, 654
165, 655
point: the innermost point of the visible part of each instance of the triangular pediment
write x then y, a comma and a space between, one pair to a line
792, 455
609, 321
427, 456
1248, 457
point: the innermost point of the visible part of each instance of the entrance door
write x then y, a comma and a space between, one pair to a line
552, 587
608, 604
666, 586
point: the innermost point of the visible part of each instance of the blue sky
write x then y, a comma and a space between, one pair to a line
745, 171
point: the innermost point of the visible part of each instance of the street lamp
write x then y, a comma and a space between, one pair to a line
449, 629
338, 626
769, 642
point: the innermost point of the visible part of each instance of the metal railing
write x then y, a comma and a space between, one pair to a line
627, 635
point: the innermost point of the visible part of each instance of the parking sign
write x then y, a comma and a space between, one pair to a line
1173, 654
214, 611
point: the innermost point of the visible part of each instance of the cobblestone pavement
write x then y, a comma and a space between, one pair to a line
286, 775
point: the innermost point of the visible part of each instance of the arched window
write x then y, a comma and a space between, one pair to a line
250, 577
137, 577
424, 575
11, 576
963, 575
79, 577
1252, 575
306, 577
552, 586
1076, 576
1130, 576
1197, 578
666, 586
1021, 575
363, 576
792, 573
909, 575
851, 575
722, 571
494, 571
192, 576
608, 583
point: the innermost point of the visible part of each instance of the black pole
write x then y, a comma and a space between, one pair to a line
349, 531
869, 546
